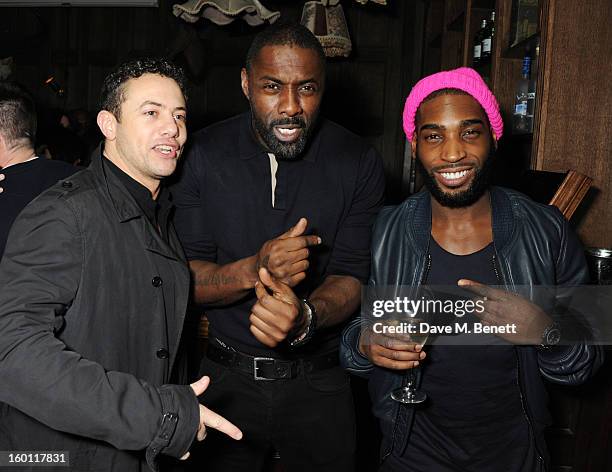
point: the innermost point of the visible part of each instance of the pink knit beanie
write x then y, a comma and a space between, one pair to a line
465, 79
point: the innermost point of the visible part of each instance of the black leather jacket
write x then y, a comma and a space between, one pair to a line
534, 246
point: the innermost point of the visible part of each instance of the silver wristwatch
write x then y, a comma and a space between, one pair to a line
551, 336
311, 321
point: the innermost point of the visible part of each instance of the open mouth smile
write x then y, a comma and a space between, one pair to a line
455, 178
169, 151
287, 133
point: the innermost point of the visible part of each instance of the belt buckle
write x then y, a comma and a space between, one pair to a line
255, 367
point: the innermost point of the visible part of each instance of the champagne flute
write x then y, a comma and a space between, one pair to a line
408, 393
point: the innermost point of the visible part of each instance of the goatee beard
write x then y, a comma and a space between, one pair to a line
479, 185
282, 150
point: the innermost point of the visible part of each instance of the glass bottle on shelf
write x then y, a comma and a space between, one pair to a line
520, 120
531, 90
525, 19
487, 39
478, 43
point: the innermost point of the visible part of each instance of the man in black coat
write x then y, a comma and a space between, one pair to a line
94, 292
23, 175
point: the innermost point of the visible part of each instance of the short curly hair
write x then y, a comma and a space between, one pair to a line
284, 34
113, 88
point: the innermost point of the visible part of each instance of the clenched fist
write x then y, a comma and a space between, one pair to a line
278, 313
286, 256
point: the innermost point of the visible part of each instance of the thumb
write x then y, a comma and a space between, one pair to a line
200, 386
270, 282
298, 229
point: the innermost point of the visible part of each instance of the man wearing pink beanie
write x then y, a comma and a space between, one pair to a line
486, 404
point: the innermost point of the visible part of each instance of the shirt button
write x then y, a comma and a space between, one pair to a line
162, 353
157, 281
67, 184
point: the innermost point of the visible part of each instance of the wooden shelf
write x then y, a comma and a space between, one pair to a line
482, 66
517, 51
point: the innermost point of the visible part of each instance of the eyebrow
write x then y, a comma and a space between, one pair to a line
278, 81
462, 124
156, 104
431, 126
150, 102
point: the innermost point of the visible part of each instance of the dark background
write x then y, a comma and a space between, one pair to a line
365, 93
80, 45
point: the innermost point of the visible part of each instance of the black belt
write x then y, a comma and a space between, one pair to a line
268, 368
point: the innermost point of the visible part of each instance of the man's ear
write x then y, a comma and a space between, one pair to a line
107, 124
244, 82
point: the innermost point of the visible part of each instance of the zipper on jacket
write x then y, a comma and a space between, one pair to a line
518, 369
497, 276
523, 405
425, 270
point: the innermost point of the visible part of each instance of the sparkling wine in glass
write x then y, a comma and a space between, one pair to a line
408, 393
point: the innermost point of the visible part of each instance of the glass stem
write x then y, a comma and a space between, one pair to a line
411, 380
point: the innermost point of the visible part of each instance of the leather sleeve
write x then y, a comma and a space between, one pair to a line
574, 364
350, 357
570, 365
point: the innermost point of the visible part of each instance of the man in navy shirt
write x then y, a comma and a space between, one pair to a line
274, 209
23, 175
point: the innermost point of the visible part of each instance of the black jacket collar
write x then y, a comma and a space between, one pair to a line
125, 202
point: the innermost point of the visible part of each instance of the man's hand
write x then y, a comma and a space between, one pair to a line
503, 308
276, 314
210, 418
286, 256
395, 352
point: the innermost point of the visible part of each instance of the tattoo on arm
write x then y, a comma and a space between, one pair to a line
216, 280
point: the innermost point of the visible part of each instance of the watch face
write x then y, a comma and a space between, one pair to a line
553, 336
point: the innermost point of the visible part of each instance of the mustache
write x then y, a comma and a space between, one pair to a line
297, 120
450, 167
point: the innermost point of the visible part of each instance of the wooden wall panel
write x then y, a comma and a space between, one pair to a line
578, 118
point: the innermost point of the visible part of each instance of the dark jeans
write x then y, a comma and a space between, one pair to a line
309, 420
